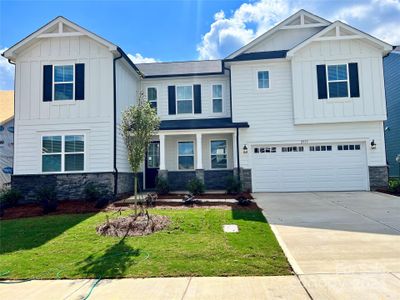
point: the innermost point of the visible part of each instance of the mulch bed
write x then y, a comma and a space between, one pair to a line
77, 207
205, 196
35, 210
388, 192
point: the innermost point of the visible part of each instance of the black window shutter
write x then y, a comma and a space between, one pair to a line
79, 81
197, 98
171, 100
353, 76
47, 83
321, 77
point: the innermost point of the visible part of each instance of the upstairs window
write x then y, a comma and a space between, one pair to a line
338, 83
152, 96
263, 79
184, 99
64, 82
217, 98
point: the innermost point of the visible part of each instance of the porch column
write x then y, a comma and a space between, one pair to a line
234, 150
199, 151
199, 154
162, 151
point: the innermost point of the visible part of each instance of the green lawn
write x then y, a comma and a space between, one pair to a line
67, 246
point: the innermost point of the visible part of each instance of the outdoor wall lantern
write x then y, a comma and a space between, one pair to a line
373, 144
245, 149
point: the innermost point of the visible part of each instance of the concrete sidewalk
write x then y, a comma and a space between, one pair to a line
316, 286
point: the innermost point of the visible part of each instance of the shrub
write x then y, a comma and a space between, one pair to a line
92, 192
243, 199
9, 197
195, 186
102, 202
47, 196
233, 185
394, 185
162, 186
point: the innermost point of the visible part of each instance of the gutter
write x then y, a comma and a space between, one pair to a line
115, 125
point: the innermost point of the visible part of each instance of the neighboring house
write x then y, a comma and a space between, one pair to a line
300, 108
6, 136
391, 65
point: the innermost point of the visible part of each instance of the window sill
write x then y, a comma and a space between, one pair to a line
339, 100
63, 102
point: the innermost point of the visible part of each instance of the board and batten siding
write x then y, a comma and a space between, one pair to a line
92, 116
370, 106
271, 118
206, 83
392, 134
127, 84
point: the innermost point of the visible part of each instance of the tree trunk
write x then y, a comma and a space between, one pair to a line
135, 191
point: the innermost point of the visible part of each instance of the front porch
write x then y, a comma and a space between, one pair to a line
181, 155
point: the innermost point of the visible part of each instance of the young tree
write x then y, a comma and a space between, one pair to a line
139, 123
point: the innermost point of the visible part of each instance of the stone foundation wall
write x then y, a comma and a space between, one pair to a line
67, 186
126, 181
178, 180
216, 179
245, 178
378, 177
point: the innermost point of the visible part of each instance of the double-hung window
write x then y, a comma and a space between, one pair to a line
184, 99
218, 155
338, 82
63, 153
63, 82
217, 98
263, 79
152, 96
185, 155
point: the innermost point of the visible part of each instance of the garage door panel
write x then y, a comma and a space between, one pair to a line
310, 170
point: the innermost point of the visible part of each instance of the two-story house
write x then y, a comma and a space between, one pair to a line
300, 108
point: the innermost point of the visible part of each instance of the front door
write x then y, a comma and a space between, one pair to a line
152, 164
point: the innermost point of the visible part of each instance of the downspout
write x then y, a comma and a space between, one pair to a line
237, 128
115, 126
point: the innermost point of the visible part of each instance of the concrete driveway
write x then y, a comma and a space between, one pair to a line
340, 242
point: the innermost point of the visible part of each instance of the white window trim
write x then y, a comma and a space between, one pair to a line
147, 93
269, 79
226, 143
347, 80
178, 155
176, 99
54, 83
62, 153
222, 98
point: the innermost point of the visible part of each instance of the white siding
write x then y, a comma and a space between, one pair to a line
127, 93
206, 95
271, 118
284, 39
370, 106
92, 116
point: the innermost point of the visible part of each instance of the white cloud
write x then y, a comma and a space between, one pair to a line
139, 59
354, 12
6, 73
228, 34
388, 32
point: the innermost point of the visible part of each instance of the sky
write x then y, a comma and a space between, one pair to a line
156, 30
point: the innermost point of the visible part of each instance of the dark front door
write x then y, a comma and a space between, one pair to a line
152, 164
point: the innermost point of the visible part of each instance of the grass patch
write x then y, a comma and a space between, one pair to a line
67, 246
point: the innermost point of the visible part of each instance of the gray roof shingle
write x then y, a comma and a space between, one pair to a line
165, 69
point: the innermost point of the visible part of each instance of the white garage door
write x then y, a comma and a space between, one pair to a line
314, 167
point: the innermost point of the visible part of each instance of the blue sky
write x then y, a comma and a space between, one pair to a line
186, 30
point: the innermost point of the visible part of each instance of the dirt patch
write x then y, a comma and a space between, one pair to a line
35, 210
133, 226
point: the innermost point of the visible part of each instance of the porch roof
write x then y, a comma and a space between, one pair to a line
201, 124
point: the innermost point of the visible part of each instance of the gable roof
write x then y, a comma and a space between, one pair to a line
7, 106
287, 24
351, 33
57, 27
181, 68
